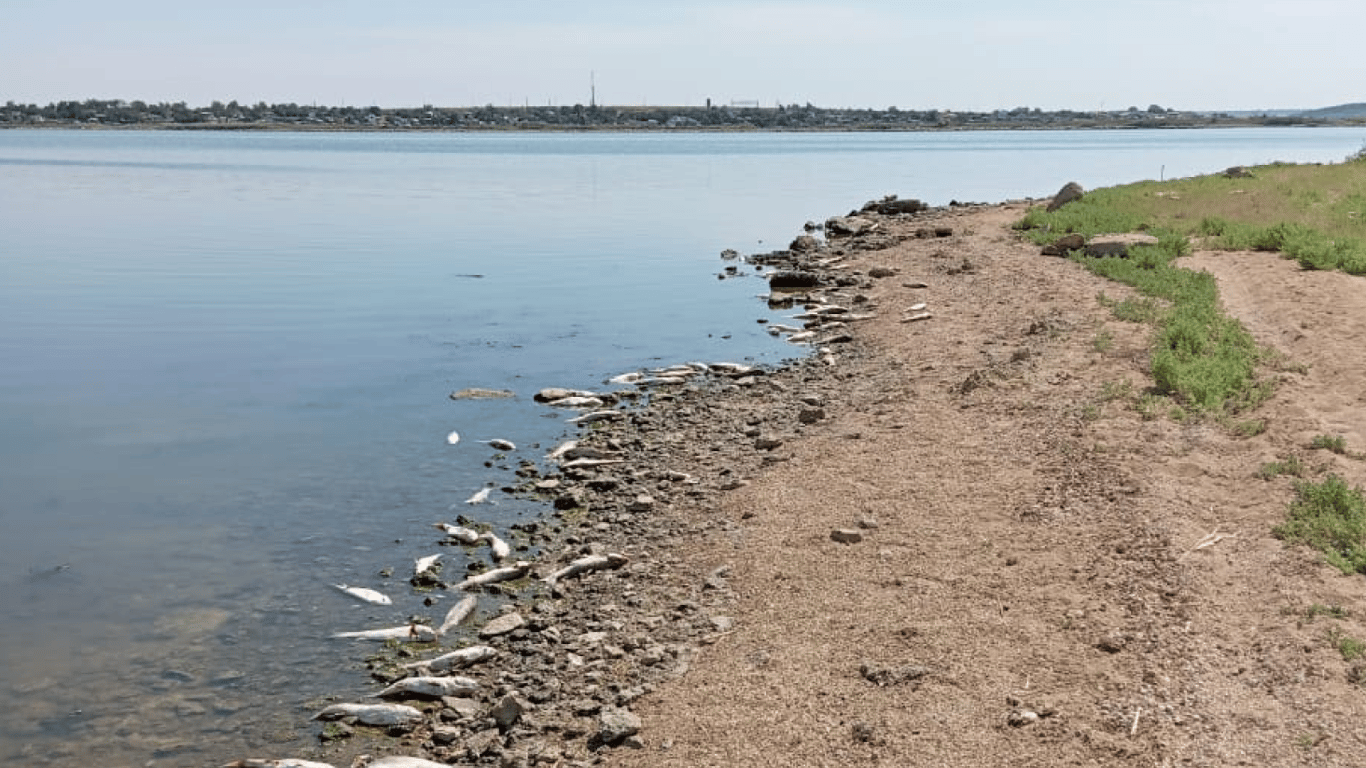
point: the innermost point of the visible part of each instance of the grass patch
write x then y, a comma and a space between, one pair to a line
1291, 466
1350, 647
1335, 443
1331, 517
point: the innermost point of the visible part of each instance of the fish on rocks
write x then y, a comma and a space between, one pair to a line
418, 633
454, 660
592, 416
458, 532
458, 613
590, 463
372, 714
499, 549
586, 564
507, 573
626, 378
431, 687
481, 496
501, 444
562, 449
404, 761
553, 394
578, 402
424, 564
366, 594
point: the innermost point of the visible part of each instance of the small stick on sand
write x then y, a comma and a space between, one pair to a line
1133, 729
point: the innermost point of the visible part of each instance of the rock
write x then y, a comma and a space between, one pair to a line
1022, 717
883, 675
641, 503
446, 734
1111, 643
1070, 192
508, 711
1107, 249
848, 226
483, 743
1237, 172
723, 623
502, 625
893, 206
810, 415
1065, 244
768, 443
616, 725
475, 393
788, 281
804, 244
881, 272
462, 707
846, 535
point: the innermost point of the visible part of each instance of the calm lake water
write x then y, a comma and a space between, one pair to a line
225, 361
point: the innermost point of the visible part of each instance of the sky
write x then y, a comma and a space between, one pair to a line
945, 54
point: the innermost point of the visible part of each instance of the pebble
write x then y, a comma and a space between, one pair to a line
502, 625
846, 535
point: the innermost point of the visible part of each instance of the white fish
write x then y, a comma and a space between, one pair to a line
481, 496
589, 463
508, 573
562, 449
783, 328
577, 401
551, 394
455, 659
371, 714
585, 564
459, 532
500, 548
432, 687
404, 761
418, 633
363, 593
501, 444
665, 381
284, 763
592, 416
458, 613
453, 438
424, 564
626, 378
804, 336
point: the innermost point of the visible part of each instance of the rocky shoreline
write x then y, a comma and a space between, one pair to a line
563, 657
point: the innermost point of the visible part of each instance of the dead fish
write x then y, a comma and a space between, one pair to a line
804, 336
419, 633
508, 573
458, 613
577, 401
552, 394
453, 438
585, 564
500, 548
562, 449
592, 416
284, 763
424, 564
665, 381
404, 761
588, 463
481, 496
455, 659
372, 714
366, 594
431, 687
459, 532
626, 378
501, 444
783, 328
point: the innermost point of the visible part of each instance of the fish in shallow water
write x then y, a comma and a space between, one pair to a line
366, 594
371, 714
431, 687
562, 449
458, 613
480, 497
424, 564
501, 444
459, 532
454, 660
418, 633
508, 573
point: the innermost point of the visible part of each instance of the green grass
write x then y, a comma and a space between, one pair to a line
1350, 647
1208, 362
1291, 466
1331, 517
1335, 443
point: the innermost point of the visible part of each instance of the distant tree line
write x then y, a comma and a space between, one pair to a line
117, 112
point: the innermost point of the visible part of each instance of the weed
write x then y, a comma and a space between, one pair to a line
1335, 443
1330, 517
1291, 466
1149, 406
1116, 390
1249, 427
1350, 647
1104, 341
1331, 611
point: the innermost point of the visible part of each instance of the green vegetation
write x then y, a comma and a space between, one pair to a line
1335, 443
1330, 517
1205, 360
1291, 466
1350, 647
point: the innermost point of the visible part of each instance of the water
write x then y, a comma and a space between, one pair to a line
225, 360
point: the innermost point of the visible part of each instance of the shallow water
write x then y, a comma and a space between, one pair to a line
227, 361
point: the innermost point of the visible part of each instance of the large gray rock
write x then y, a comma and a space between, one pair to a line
847, 226
1070, 192
616, 725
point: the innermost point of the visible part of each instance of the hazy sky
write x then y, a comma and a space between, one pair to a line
947, 54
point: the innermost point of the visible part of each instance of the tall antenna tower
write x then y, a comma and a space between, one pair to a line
592, 90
